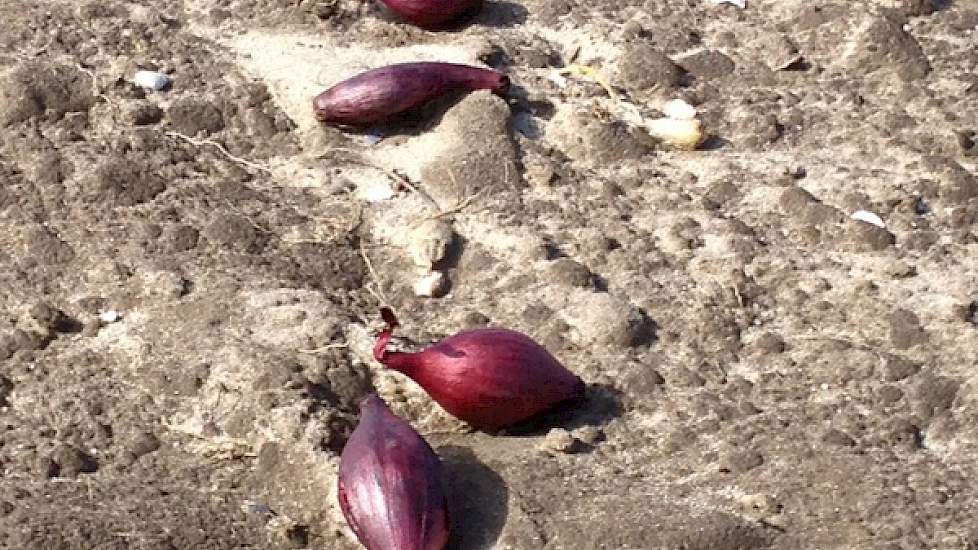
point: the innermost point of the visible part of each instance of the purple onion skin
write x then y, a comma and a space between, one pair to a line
432, 14
490, 378
390, 484
381, 93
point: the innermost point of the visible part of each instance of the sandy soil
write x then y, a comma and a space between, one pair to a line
190, 278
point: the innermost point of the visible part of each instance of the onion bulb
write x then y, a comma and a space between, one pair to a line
491, 378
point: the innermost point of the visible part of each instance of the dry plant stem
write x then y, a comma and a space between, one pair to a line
96, 91
461, 205
219, 147
324, 349
591, 74
375, 278
357, 158
249, 219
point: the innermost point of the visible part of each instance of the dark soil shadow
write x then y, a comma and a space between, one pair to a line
452, 254
601, 404
501, 15
715, 143
477, 499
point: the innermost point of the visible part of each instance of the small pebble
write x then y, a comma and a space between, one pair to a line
589, 435
760, 505
431, 285
376, 191
678, 109
558, 79
868, 217
682, 134
429, 242
920, 206
740, 461
109, 316
558, 440
152, 80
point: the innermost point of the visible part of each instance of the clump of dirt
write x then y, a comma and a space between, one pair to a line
485, 167
36, 90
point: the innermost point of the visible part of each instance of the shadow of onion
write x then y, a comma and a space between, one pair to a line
501, 14
601, 404
477, 500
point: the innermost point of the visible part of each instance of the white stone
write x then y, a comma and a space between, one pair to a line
376, 191
428, 243
151, 79
431, 285
678, 109
109, 316
868, 217
677, 133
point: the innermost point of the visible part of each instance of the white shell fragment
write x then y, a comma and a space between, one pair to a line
431, 285
868, 217
428, 243
739, 3
151, 79
684, 135
678, 109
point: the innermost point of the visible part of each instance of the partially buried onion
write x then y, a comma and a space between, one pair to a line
490, 378
390, 485
381, 93
432, 14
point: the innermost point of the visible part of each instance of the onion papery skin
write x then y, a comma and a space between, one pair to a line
379, 94
491, 378
432, 14
391, 484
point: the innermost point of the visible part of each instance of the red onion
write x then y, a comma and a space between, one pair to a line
490, 378
390, 486
381, 93
431, 14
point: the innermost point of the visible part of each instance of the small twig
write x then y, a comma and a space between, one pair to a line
96, 91
397, 178
250, 220
324, 349
591, 74
462, 205
379, 294
459, 192
219, 147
